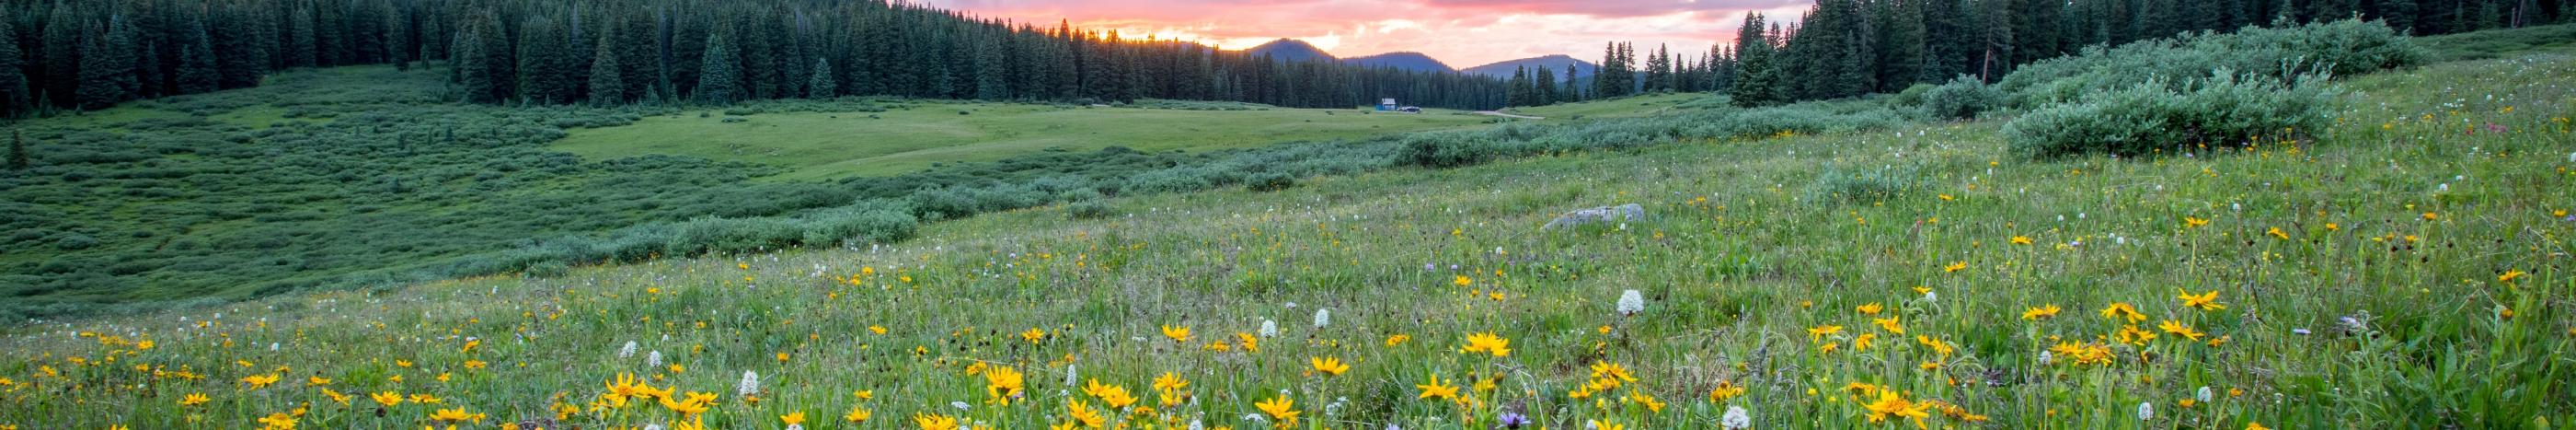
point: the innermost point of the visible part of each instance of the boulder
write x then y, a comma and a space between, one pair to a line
1604, 214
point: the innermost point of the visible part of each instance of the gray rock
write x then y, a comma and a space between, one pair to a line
1604, 214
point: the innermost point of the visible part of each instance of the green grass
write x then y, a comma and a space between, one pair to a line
2405, 218
1645, 105
918, 135
2495, 43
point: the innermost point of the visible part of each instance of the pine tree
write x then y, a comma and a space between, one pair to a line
607, 74
1545, 81
718, 82
546, 66
1519, 94
239, 62
989, 83
300, 42
107, 67
820, 84
196, 68
474, 64
1659, 71
1900, 43
66, 36
1757, 81
17, 149
1573, 88
15, 101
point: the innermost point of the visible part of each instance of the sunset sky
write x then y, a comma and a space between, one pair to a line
1463, 33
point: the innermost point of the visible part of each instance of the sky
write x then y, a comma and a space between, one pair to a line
1462, 33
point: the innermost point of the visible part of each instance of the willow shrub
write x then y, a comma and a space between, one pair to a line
2225, 110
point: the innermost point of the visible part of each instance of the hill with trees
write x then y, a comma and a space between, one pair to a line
91, 55
1410, 61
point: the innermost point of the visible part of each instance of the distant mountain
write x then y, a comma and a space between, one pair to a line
1413, 61
1289, 50
1554, 63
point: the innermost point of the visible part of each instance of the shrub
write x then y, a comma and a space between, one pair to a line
1269, 181
1445, 150
547, 269
2281, 54
1962, 98
1168, 181
1092, 206
75, 242
733, 235
1840, 185
857, 226
2223, 111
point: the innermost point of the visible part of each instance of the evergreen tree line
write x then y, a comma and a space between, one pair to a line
94, 54
1844, 48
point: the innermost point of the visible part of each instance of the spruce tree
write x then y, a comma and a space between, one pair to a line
718, 80
107, 67
607, 77
1756, 79
1545, 83
1573, 80
989, 83
17, 149
473, 65
66, 36
196, 68
15, 101
1899, 49
1519, 92
820, 84
239, 62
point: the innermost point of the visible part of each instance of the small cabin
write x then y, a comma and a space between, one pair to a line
1386, 105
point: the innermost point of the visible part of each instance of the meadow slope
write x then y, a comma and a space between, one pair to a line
2408, 267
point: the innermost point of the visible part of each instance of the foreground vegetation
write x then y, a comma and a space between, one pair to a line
1829, 265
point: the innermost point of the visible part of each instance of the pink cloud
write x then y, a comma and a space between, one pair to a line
1462, 33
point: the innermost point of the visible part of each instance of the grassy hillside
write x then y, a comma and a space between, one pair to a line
375, 177
911, 136
2408, 267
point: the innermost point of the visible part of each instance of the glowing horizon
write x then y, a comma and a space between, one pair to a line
1461, 33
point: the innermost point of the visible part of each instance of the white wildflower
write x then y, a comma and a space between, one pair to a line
2146, 411
652, 427
750, 384
1269, 328
2203, 395
959, 405
795, 427
1736, 418
1323, 317
2045, 357
1071, 374
653, 359
628, 351
1630, 302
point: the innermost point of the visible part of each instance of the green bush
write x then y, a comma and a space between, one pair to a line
1843, 185
1090, 209
547, 269
734, 235
1269, 181
2150, 118
1962, 98
2280, 54
859, 226
1174, 180
1444, 149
